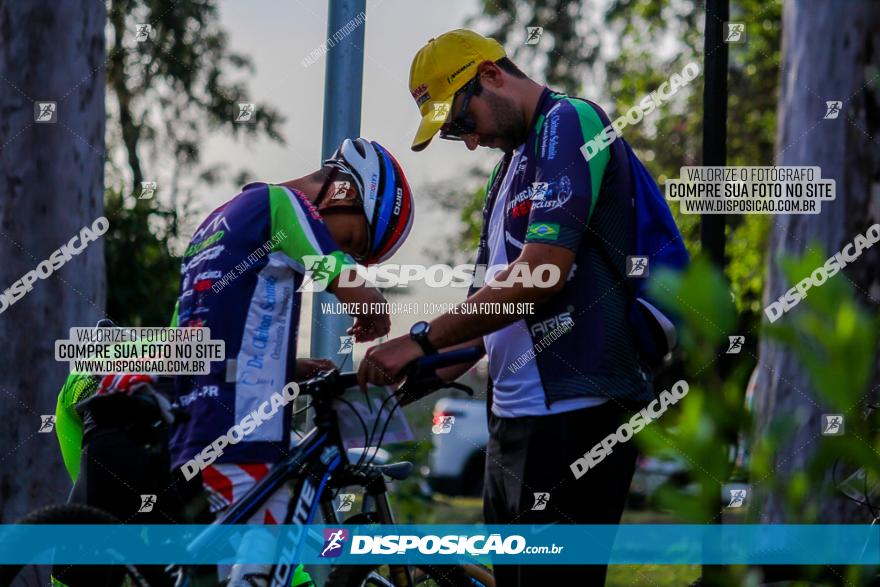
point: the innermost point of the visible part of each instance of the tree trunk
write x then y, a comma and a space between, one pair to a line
831, 51
52, 186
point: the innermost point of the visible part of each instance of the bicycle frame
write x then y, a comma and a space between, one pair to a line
319, 454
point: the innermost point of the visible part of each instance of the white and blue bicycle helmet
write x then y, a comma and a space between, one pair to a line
385, 193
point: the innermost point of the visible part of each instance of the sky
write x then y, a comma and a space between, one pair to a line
277, 36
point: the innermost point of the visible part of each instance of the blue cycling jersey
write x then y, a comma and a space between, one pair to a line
240, 276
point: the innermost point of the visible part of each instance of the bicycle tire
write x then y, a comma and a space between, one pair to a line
470, 575
71, 514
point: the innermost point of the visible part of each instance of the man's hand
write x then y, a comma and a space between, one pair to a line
306, 368
370, 327
384, 363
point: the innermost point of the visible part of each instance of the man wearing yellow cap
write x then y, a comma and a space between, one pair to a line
565, 375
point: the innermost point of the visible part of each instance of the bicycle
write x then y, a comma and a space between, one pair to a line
321, 456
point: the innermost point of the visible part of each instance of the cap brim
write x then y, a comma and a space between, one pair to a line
429, 127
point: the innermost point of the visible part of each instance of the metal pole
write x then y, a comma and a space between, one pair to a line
342, 118
343, 83
715, 117
712, 238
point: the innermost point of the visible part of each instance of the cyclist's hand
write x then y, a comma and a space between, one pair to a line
306, 368
370, 327
123, 383
384, 363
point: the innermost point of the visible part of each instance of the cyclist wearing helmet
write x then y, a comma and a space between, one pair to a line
240, 276
358, 205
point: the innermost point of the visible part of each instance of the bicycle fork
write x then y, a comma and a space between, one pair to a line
376, 494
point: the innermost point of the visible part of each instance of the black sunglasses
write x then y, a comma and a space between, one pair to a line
462, 124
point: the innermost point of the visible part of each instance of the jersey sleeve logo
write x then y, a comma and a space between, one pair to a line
548, 231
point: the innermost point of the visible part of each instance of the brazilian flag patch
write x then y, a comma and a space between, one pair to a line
548, 231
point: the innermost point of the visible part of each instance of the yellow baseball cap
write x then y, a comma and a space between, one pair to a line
441, 68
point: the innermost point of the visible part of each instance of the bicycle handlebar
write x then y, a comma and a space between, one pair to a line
447, 359
420, 373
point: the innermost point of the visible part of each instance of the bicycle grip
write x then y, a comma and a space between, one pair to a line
447, 359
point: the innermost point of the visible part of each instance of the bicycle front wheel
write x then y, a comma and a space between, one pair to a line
74, 575
471, 575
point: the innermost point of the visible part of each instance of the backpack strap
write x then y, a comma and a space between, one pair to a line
492, 188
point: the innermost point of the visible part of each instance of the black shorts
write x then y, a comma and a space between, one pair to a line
533, 454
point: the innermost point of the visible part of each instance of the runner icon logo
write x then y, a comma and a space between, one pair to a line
148, 189
333, 540
541, 500
443, 424
832, 424
47, 423
832, 109
45, 112
346, 501
147, 503
441, 111
142, 32
246, 112
735, 32
346, 345
637, 266
533, 34
318, 268
736, 344
737, 498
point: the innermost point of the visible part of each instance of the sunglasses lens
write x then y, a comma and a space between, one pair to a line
456, 129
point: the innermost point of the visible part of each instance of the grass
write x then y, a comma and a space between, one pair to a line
467, 510
632, 575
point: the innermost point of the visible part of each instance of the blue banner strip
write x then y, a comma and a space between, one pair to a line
445, 544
